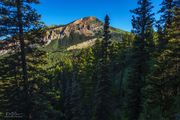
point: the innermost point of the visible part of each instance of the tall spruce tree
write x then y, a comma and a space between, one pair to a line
103, 99
162, 90
86, 70
61, 81
17, 18
75, 100
176, 49
142, 23
166, 21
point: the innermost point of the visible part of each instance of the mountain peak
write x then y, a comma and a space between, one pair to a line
90, 18
87, 20
87, 26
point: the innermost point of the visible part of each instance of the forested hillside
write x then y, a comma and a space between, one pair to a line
88, 70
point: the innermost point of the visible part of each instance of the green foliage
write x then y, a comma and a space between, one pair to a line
103, 106
142, 47
161, 90
123, 76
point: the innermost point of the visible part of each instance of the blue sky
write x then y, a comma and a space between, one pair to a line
56, 12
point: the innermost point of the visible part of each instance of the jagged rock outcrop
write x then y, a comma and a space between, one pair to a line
87, 26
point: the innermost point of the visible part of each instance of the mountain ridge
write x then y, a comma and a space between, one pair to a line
88, 27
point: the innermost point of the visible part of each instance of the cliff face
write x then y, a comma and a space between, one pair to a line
87, 26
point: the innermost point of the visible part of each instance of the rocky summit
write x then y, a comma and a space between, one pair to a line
87, 26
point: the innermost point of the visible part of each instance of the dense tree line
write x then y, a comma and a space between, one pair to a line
135, 78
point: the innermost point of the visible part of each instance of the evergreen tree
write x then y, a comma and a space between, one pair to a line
11, 95
176, 56
103, 101
62, 82
19, 22
86, 69
75, 100
166, 21
142, 28
162, 89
